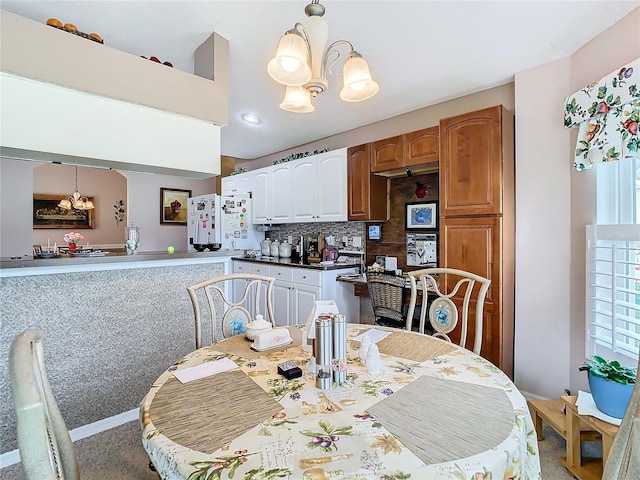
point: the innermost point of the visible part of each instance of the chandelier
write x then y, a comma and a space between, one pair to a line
75, 200
301, 64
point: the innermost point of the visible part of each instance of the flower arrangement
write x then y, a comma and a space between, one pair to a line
72, 238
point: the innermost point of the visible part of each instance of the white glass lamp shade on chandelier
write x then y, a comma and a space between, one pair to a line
301, 61
75, 200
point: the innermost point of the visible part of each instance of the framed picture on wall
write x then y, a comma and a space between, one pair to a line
47, 213
421, 216
173, 206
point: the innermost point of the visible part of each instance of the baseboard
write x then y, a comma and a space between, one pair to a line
531, 396
13, 457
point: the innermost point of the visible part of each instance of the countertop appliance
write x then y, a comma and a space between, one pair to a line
216, 221
313, 245
422, 249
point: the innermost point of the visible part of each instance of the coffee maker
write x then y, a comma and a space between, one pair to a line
313, 245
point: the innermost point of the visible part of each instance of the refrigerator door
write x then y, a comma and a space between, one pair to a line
201, 221
233, 223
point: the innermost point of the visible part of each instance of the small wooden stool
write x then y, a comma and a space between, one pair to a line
585, 468
552, 412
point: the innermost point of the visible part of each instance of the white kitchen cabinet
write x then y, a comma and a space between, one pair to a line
240, 183
272, 194
296, 290
320, 187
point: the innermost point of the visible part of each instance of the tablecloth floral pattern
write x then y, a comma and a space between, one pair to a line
328, 434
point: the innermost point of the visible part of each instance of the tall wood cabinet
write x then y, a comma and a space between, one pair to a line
368, 194
477, 217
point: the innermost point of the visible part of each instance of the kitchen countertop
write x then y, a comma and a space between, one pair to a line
62, 261
291, 262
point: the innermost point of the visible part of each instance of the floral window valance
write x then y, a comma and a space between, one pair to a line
606, 113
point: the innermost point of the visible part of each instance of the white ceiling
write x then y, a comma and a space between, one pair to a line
420, 52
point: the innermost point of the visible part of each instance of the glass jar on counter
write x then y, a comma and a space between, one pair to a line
265, 247
285, 249
275, 248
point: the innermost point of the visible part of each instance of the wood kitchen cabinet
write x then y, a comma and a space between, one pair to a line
422, 147
477, 217
387, 154
472, 168
368, 194
409, 150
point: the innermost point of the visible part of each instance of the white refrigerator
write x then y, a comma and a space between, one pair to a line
223, 219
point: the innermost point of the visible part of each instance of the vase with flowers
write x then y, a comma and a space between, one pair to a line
72, 239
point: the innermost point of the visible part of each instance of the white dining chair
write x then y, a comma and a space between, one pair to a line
46, 450
234, 300
443, 314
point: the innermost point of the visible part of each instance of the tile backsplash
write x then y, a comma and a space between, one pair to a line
337, 229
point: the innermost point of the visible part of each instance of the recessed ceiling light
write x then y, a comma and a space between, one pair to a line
250, 118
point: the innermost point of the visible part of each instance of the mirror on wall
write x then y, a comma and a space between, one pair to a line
106, 189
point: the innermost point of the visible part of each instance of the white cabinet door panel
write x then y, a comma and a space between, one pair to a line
332, 186
282, 304
260, 200
305, 191
304, 300
281, 193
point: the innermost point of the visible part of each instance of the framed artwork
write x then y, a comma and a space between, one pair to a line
421, 216
47, 213
173, 206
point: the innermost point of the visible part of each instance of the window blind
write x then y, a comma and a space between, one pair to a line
613, 292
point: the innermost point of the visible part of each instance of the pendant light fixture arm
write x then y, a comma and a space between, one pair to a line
331, 49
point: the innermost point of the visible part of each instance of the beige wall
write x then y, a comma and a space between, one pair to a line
553, 206
602, 55
543, 240
408, 122
105, 186
142, 199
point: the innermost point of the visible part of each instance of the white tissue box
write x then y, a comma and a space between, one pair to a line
276, 337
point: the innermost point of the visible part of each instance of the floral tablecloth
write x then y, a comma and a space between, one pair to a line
452, 416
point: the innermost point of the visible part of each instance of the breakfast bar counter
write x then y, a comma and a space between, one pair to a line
110, 261
111, 325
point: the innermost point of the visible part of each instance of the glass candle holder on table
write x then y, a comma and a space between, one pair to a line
132, 239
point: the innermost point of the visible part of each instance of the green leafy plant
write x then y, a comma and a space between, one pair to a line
296, 156
613, 370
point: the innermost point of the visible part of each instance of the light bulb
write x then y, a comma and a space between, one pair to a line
358, 86
290, 64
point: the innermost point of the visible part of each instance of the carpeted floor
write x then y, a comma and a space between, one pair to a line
118, 455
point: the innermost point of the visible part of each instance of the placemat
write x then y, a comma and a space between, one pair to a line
206, 414
443, 420
413, 347
239, 345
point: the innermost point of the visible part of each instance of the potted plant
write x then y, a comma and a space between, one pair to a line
611, 385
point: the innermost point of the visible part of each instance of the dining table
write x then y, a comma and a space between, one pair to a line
433, 411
